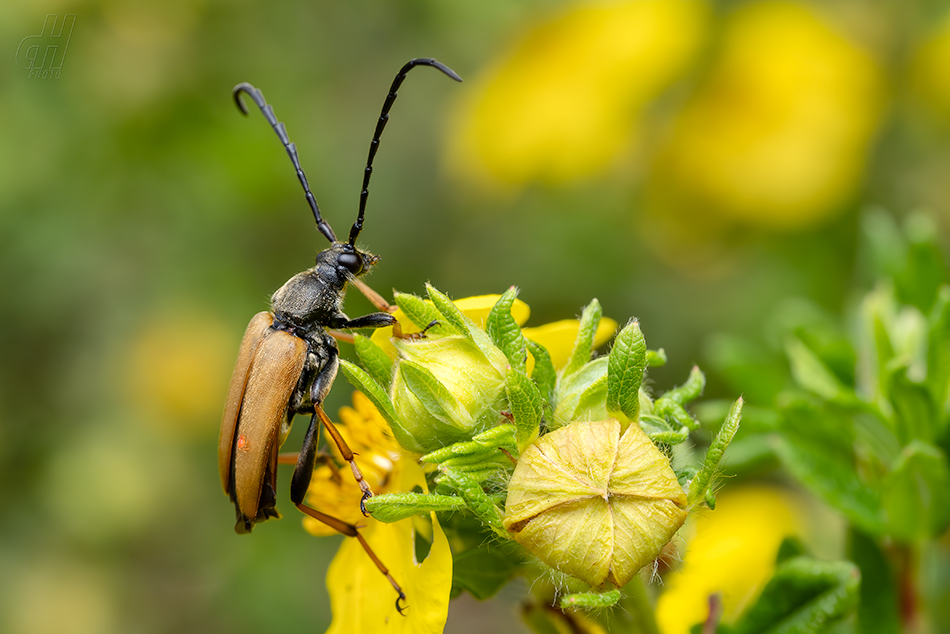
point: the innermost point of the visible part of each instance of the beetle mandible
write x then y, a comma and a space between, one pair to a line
288, 360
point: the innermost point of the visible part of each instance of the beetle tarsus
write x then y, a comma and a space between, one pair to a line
400, 608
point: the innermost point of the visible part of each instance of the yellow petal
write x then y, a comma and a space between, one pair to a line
558, 338
362, 599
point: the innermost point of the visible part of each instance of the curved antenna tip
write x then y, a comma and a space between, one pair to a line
244, 87
431, 61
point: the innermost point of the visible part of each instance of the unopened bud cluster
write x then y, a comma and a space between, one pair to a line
582, 450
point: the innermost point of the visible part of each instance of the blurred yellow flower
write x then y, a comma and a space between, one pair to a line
178, 367
779, 134
732, 554
929, 65
563, 102
361, 597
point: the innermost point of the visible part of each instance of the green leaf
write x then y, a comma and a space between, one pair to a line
811, 373
544, 374
938, 352
804, 596
392, 507
700, 484
817, 446
505, 331
625, 365
914, 413
422, 313
916, 493
374, 359
878, 611
584, 342
483, 571
527, 406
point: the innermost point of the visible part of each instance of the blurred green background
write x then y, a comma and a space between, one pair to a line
695, 164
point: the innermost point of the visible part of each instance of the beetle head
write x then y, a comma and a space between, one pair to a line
347, 260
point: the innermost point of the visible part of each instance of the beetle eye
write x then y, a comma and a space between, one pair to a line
352, 262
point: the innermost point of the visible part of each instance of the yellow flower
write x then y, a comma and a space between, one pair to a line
779, 134
361, 597
929, 68
733, 554
564, 102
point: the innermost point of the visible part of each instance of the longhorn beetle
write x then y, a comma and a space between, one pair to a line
288, 360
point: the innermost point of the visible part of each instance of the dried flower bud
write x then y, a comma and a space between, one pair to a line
594, 504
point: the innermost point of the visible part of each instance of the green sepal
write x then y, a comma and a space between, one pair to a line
527, 406
434, 396
392, 507
477, 501
656, 358
422, 313
374, 359
572, 387
584, 343
804, 596
481, 446
671, 438
626, 363
505, 331
589, 600
700, 484
458, 320
543, 374
592, 398
364, 382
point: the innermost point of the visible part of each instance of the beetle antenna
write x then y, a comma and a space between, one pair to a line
281, 131
381, 123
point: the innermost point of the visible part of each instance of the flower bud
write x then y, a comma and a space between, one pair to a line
593, 503
447, 389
